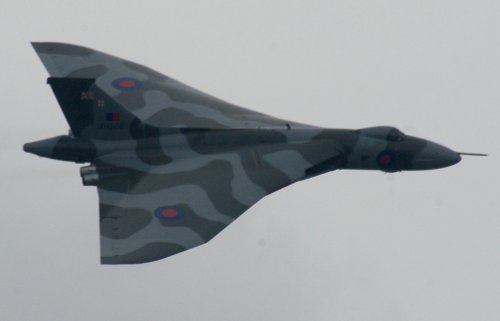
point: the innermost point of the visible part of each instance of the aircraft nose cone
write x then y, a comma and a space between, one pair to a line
435, 156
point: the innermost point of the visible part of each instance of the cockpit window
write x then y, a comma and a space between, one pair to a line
387, 133
396, 135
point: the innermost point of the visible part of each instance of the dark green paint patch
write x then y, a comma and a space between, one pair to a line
61, 49
172, 116
89, 72
120, 223
214, 178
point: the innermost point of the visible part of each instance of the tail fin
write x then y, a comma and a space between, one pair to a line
90, 112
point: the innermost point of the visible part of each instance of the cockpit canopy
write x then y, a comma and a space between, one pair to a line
384, 133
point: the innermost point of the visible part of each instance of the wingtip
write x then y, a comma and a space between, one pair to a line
42, 47
60, 48
35, 44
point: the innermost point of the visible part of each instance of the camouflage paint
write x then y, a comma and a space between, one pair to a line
174, 166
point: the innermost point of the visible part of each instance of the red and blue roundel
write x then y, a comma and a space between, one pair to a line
168, 213
126, 84
385, 159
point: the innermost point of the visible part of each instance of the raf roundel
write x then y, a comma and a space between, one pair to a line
384, 159
169, 213
126, 84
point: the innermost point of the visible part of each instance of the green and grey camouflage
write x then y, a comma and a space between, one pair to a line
174, 166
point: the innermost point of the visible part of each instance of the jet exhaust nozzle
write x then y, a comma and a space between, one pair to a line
64, 148
92, 175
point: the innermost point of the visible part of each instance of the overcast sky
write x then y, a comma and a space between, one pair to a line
348, 245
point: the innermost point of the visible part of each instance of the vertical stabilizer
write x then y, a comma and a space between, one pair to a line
89, 111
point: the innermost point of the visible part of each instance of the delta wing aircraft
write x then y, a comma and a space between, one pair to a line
174, 166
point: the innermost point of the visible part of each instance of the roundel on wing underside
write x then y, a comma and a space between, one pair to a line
168, 213
126, 84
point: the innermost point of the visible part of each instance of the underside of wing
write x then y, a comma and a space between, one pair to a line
149, 212
149, 216
146, 217
155, 99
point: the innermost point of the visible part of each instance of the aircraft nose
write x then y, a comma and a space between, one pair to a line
435, 156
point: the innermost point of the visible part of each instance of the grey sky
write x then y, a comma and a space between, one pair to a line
344, 246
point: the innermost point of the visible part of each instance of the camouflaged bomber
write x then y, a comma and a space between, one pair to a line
174, 166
